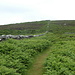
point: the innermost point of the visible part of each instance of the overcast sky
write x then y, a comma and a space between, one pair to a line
15, 11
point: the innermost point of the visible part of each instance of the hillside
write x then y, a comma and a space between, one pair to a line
23, 28
50, 54
57, 27
62, 26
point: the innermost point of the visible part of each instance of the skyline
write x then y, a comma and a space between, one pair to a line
18, 11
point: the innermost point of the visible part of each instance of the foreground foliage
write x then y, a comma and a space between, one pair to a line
61, 60
17, 55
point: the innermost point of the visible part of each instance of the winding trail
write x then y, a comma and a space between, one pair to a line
37, 67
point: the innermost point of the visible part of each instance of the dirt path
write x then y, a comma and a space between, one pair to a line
36, 68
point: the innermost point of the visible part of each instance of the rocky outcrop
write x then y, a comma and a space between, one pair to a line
4, 37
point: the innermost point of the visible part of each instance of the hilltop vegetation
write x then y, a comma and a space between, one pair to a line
60, 27
57, 27
23, 28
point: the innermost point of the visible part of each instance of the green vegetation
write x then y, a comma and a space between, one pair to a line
61, 60
17, 56
61, 27
24, 28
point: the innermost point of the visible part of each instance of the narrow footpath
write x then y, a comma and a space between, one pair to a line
37, 67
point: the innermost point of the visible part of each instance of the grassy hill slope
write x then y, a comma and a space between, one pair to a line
62, 26
57, 27
23, 28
